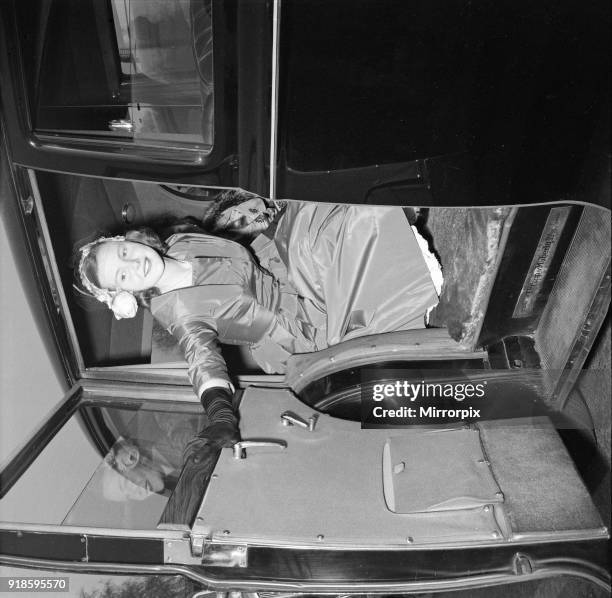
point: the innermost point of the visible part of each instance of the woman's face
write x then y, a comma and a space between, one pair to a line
140, 478
127, 455
248, 218
128, 266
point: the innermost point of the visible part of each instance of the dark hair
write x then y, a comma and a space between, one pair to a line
223, 201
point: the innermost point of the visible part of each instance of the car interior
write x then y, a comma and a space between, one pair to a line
79, 208
489, 482
496, 480
526, 290
459, 500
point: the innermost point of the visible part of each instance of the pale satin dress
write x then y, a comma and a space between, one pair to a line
326, 274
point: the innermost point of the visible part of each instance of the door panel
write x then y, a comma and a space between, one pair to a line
327, 487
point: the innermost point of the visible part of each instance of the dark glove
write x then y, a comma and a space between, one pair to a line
222, 429
221, 435
217, 402
213, 437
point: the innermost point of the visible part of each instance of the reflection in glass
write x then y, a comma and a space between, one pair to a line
117, 471
139, 70
132, 484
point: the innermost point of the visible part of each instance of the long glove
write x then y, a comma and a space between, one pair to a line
222, 429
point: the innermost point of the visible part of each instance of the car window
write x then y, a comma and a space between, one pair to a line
138, 71
118, 467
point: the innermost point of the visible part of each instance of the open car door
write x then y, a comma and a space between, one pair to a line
305, 500
312, 498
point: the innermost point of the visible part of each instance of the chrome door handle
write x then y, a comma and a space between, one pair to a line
288, 418
121, 125
240, 447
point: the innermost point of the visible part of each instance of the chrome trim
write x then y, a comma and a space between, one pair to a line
240, 448
127, 213
573, 568
594, 535
560, 536
288, 418
225, 555
197, 545
65, 312
276, 19
180, 551
162, 534
268, 380
176, 377
27, 204
170, 153
483, 301
109, 389
121, 124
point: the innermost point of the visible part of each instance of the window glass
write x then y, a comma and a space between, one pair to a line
138, 70
116, 471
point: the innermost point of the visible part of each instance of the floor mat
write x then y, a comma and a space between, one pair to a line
542, 489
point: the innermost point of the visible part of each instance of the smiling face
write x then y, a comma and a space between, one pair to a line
139, 477
128, 266
126, 455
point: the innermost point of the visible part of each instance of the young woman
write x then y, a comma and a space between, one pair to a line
351, 271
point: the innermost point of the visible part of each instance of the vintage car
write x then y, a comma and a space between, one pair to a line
489, 119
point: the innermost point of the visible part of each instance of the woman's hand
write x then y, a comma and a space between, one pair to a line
221, 435
212, 437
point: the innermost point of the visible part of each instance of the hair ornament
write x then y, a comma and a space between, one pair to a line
124, 305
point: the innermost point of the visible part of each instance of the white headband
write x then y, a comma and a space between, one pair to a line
105, 296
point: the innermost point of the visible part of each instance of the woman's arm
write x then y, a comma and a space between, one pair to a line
208, 374
206, 366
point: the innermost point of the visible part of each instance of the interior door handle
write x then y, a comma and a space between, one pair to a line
240, 447
121, 125
288, 418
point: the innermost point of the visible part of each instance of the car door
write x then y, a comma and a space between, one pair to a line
138, 90
65, 494
103, 486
